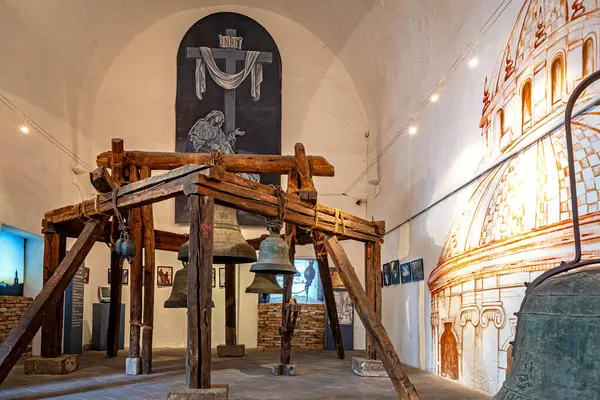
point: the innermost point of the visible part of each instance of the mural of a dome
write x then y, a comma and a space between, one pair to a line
517, 222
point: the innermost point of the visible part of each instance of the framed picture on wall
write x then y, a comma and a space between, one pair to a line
221, 277
86, 275
214, 278
395, 272
124, 278
416, 267
387, 275
405, 274
164, 276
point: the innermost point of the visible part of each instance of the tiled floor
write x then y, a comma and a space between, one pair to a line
320, 376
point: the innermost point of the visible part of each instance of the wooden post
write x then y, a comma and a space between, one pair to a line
45, 302
373, 289
135, 302
200, 291
230, 322
288, 280
116, 262
55, 247
373, 325
323, 263
149, 267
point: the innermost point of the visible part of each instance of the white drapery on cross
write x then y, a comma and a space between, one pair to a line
225, 80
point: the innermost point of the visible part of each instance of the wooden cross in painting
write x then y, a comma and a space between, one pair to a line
231, 51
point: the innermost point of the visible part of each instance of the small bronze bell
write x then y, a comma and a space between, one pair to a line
264, 283
229, 246
274, 257
178, 297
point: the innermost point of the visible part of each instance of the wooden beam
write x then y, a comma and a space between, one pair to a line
200, 291
22, 334
373, 289
323, 264
116, 262
233, 191
55, 247
114, 314
149, 273
230, 312
254, 163
288, 280
135, 275
364, 307
101, 180
307, 188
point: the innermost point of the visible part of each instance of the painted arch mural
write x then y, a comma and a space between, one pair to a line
517, 222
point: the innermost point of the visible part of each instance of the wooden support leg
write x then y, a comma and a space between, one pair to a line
200, 291
149, 267
323, 263
364, 307
373, 289
45, 302
230, 322
114, 315
288, 279
135, 302
55, 246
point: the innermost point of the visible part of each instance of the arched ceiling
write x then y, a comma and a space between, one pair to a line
59, 50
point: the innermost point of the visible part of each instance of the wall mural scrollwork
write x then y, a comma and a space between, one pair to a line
469, 312
495, 311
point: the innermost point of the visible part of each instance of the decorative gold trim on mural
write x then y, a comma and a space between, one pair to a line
495, 310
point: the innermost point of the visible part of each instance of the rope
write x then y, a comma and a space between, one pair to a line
339, 216
217, 158
96, 207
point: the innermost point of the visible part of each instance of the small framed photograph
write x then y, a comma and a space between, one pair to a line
387, 275
124, 277
164, 276
214, 278
405, 275
395, 272
221, 277
416, 267
86, 275
381, 278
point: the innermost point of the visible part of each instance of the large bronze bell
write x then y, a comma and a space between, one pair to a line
178, 297
229, 246
557, 348
273, 257
264, 283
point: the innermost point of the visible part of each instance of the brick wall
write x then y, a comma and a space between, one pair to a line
11, 310
309, 332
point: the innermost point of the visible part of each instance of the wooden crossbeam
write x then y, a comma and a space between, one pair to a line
252, 163
365, 309
233, 191
18, 339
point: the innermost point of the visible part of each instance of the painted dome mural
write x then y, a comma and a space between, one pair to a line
517, 223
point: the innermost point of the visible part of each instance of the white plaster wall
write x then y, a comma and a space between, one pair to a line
320, 109
418, 170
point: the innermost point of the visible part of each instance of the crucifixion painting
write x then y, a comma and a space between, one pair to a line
228, 94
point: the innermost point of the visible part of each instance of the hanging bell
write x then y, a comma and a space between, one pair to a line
128, 248
229, 246
557, 350
264, 283
273, 257
178, 297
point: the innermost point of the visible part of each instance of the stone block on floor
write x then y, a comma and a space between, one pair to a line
133, 366
371, 368
284, 369
182, 392
231, 350
61, 365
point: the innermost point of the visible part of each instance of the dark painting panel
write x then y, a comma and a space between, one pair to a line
250, 124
